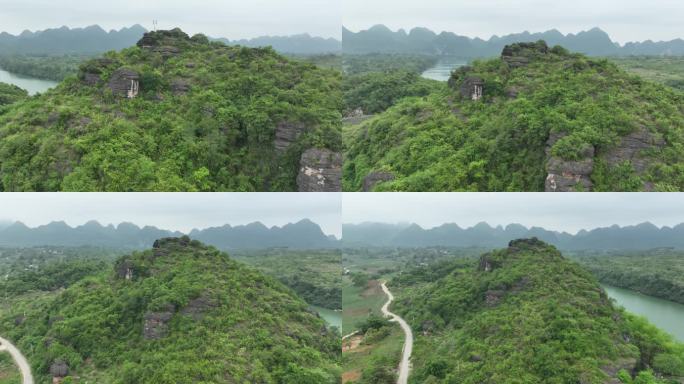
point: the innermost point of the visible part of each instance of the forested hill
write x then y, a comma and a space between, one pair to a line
594, 42
301, 235
175, 113
180, 312
303, 44
535, 119
637, 237
525, 314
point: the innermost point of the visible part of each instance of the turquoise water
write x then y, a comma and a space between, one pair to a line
666, 315
32, 85
442, 70
333, 318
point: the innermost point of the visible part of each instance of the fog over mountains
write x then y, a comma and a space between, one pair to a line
301, 235
95, 40
637, 237
594, 42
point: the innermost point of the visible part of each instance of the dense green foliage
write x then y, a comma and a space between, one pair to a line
446, 142
373, 83
658, 273
205, 119
179, 313
55, 68
527, 315
314, 275
361, 64
374, 92
668, 70
49, 268
10, 94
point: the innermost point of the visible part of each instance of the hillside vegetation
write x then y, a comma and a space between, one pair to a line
535, 119
10, 94
526, 314
658, 273
181, 312
174, 113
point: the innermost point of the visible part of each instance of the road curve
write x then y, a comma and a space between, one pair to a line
405, 365
19, 359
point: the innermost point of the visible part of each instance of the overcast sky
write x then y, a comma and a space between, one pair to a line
233, 19
554, 211
174, 211
624, 20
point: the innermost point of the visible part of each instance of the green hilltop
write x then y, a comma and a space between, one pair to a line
181, 312
535, 119
525, 314
175, 113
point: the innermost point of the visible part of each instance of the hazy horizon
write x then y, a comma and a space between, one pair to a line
625, 21
234, 20
181, 212
563, 212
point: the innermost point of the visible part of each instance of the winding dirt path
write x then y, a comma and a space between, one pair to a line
19, 359
405, 365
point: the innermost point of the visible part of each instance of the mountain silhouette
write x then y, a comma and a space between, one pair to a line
635, 237
304, 234
594, 42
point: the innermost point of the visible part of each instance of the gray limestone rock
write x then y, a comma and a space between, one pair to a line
320, 171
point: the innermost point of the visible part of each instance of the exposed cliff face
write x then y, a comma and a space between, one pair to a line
321, 171
568, 175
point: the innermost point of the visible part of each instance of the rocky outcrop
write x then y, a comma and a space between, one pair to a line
91, 72
628, 364
375, 178
59, 369
493, 297
124, 270
520, 54
487, 263
320, 171
167, 43
125, 83
287, 133
568, 175
155, 326
180, 87
196, 308
472, 88
631, 149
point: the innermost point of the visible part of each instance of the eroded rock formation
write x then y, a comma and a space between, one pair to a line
520, 54
632, 148
125, 83
155, 326
568, 175
375, 178
287, 133
320, 171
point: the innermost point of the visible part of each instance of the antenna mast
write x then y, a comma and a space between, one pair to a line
154, 25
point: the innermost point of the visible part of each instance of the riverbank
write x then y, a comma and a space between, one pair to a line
32, 85
664, 314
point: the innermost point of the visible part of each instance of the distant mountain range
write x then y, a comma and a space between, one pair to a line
594, 42
301, 235
94, 40
303, 44
482, 235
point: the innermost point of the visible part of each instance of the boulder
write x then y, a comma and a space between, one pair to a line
91, 72
320, 171
180, 86
520, 54
375, 178
125, 83
472, 88
631, 148
568, 175
197, 307
124, 270
59, 368
286, 133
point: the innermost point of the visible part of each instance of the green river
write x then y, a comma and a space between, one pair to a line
666, 315
333, 318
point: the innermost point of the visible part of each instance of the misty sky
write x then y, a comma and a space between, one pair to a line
233, 19
554, 211
174, 211
624, 20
